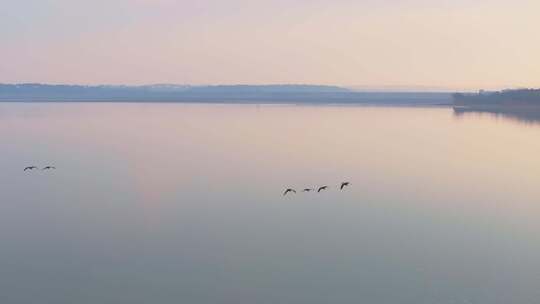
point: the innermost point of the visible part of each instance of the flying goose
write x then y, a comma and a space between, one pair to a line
322, 188
289, 190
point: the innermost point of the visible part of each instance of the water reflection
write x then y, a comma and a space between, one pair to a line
183, 203
526, 116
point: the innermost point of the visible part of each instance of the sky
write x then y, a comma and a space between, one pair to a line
367, 43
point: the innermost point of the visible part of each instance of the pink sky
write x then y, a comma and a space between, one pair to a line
438, 43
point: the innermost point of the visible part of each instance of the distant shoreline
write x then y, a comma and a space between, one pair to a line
260, 103
279, 94
244, 102
439, 99
505, 99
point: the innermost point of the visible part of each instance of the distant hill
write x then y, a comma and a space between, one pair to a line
287, 88
217, 93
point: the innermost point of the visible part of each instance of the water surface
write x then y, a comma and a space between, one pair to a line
182, 203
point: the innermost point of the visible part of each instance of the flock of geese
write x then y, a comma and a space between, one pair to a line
291, 190
30, 168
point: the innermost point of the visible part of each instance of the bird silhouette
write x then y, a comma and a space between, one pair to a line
343, 185
30, 168
48, 168
322, 188
289, 190
307, 190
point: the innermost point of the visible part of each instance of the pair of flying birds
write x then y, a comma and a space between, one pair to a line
35, 168
290, 190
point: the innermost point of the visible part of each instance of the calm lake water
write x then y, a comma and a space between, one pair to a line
182, 203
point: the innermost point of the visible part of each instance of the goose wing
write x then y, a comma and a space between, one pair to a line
289, 190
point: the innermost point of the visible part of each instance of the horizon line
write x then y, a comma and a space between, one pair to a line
360, 88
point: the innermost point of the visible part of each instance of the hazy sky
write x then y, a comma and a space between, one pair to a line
435, 43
